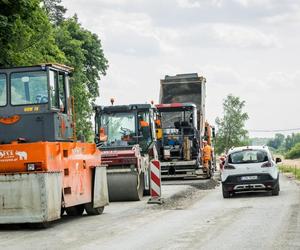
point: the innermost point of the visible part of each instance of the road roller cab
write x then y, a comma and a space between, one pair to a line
126, 136
35, 104
43, 169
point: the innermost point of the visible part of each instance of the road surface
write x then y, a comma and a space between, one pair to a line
191, 218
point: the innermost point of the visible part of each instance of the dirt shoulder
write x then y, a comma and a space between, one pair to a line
292, 163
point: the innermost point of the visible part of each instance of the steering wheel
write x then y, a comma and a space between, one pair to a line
41, 98
125, 131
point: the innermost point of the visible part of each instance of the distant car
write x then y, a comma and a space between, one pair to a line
250, 168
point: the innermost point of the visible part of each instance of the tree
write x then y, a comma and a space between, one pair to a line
56, 12
36, 31
84, 53
258, 141
291, 141
230, 128
26, 35
294, 152
277, 142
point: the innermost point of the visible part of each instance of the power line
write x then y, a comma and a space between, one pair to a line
274, 130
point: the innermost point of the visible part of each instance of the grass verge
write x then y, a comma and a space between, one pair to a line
290, 169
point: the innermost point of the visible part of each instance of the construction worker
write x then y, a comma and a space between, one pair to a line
145, 131
207, 155
102, 135
144, 124
222, 161
158, 129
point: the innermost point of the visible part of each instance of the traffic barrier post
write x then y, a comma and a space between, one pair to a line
155, 183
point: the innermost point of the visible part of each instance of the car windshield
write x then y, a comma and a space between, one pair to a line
3, 95
248, 156
29, 88
119, 129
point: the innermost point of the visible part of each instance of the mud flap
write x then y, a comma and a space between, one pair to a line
30, 197
100, 198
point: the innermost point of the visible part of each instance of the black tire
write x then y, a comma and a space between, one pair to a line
41, 225
146, 192
62, 211
90, 210
226, 194
211, 173
275, 191
75, 210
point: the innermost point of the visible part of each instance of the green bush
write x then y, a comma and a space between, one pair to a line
290, 169
294, 152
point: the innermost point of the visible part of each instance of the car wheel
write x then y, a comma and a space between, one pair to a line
226, 194
276, 189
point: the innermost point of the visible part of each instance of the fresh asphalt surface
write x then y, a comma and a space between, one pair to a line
190, 218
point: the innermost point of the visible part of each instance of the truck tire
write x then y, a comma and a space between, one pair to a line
41, 225
146, 192
62, 211
75, 210
211, 173
226, 194
90, 210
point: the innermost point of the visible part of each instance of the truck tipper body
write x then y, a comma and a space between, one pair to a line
182, 125
185, 88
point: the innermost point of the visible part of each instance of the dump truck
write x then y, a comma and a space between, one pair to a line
126, 136
182, 126
44, 170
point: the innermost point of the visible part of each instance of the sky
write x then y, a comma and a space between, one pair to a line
248, 48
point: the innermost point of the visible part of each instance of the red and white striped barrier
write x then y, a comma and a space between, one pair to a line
155, 183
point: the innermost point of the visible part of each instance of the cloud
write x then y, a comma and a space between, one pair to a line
218, 35
283, 81
129, 28
188, 4
199, 3
285, 18
275, 5
222, 76
244, 37
127, 33
254, 3
236, 44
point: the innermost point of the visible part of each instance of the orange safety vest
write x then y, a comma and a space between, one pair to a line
158, 123
144, 124
207, 150
102, 135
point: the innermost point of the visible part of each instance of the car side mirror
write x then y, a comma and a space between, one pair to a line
277, 160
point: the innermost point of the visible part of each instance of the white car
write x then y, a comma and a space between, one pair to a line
250, 168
